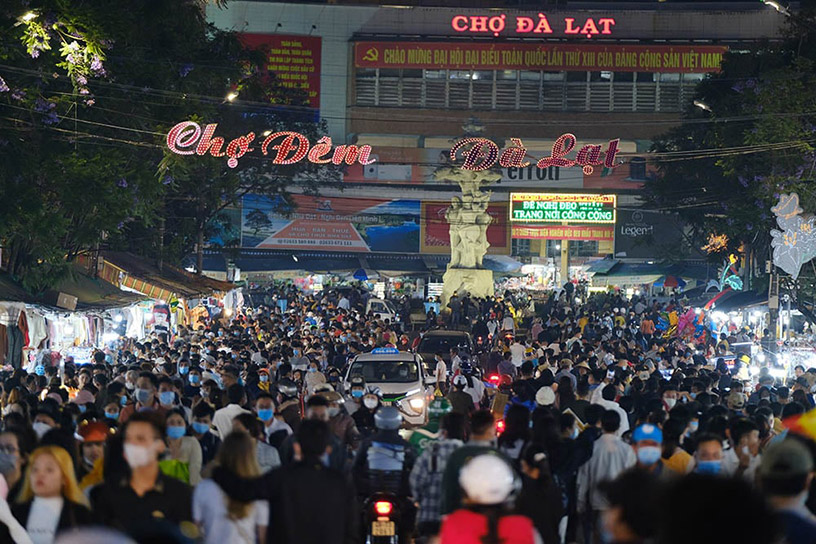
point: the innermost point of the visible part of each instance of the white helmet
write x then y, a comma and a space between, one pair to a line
488, 479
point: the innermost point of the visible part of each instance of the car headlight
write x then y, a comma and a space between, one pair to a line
417, 404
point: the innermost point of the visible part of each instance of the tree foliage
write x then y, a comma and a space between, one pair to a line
88, 91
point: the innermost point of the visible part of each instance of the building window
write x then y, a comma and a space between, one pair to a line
525, 90
520, 248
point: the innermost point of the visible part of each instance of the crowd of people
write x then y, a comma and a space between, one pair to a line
572, 423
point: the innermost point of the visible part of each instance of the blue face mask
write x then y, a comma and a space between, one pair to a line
123, 401
648, 455
176, 431
167, 398
82, 408
143, 395
200, 428
357, 393
708, 467
195, 379
112, 416
263, 378
266, 415
184, 370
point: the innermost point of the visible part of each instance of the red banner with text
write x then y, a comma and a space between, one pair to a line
295, 61
560, 232
539, 56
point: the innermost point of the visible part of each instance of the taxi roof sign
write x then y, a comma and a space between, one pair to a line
385, 351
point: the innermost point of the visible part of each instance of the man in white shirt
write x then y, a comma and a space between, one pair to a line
743, 458
517, 353
441, 372
607, 400
455, 360
611, 456
224, 416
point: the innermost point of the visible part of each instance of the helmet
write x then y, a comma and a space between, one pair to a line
466, 367
460, 381
288, 388
374, 390
387, 418
356, 381
438, 407
488, 479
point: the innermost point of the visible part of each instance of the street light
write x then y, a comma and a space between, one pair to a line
702, 105
777, 6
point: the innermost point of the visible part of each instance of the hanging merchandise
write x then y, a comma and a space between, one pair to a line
161, 319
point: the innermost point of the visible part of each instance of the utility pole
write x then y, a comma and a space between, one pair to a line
773, 303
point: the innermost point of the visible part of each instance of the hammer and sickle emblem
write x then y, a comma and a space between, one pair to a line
372, 55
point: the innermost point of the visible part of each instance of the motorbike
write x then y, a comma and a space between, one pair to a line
381, 517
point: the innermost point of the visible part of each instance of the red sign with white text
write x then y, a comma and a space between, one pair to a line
539, 56
295, 61
561, 232
435, 230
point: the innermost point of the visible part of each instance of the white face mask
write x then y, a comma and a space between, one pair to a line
670, 403
139, 456
41, 428
370, 403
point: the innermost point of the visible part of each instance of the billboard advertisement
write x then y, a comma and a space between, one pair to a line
600, 233
643, 234
329, 223
435, 236
562, 208
295, 61
539, 56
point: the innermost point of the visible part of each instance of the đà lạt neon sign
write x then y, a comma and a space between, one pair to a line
188, 138
484, 153
521, 24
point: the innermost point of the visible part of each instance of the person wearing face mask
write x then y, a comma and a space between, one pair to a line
145, 395
313, 378
709, 455
364, 415
182, 448
341, 424
111, 411
275, 429
92, 446
742, 459
669, 397
264, 384
675, 459
201, 427
354, 400
647, 441
84, 400
167, 394
16, 444
192, 387
45, 419
785, 476
146, 495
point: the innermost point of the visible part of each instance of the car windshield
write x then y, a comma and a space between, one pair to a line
385, 371
436, 344
384, 306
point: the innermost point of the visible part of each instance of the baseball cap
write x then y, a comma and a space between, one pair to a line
786, 458
647, 431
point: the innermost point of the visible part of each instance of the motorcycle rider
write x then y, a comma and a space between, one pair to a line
364, 416
289, 403
384, 463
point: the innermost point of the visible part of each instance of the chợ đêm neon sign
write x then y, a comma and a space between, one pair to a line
496, 24
188, 138
484, 153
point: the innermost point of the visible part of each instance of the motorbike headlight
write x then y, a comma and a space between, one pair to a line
417, 404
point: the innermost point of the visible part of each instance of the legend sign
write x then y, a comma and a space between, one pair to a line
561, 208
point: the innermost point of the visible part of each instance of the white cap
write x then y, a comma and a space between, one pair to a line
487, 479
545, 396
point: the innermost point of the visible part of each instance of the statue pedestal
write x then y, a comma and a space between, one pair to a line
477, 282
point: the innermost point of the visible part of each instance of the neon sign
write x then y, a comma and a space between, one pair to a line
187, 138
562, 208
496, 24
484, 153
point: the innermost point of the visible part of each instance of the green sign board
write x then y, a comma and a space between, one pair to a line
562, 208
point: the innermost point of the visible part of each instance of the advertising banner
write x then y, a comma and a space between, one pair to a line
328, 223
295, 61
435, 235
561, 232
562, 208
539, 56
644, 234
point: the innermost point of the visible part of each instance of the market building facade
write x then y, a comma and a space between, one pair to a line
406, 80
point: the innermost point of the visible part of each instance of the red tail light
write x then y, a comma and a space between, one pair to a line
500, 426
383, 508
494, 378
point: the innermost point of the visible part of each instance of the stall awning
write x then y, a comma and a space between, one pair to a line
621, 281
91, 293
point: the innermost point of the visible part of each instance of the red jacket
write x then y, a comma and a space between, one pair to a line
468, 527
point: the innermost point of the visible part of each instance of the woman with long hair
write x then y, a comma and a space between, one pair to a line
184, 449
225, 520
50, 501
